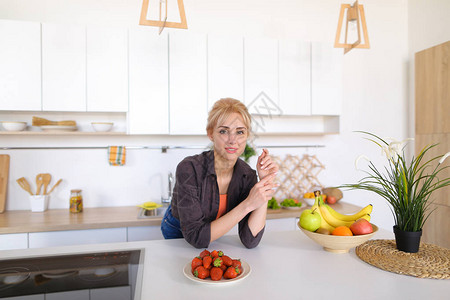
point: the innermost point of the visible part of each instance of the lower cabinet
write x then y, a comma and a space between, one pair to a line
114, 293
284, 224
13, 241
77, 237
144, 233
70, 295
109, 235
28, 297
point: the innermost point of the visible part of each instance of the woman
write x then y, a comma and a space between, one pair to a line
215, 190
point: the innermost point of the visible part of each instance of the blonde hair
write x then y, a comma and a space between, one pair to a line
225, 107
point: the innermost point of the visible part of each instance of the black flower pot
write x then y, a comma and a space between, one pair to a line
407, 241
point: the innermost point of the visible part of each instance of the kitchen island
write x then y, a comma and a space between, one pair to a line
286, 265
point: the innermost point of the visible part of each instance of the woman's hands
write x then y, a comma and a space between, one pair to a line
265, 165
261, 192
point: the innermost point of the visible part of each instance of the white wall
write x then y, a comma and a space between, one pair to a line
375, 97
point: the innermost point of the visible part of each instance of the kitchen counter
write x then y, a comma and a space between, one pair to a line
21, 221
286, 265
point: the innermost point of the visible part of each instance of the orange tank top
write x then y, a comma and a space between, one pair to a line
222, 205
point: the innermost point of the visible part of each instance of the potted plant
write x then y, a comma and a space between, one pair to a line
407, 186
248, 153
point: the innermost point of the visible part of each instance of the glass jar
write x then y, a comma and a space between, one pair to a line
76, 201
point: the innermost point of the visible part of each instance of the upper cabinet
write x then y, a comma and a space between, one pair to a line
149, 82
326, 76
166, 84
20, 65
225, 68
295, 77
107, 69
63, 67
261, 75
187, 83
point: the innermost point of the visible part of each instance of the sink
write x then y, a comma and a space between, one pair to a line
154, 213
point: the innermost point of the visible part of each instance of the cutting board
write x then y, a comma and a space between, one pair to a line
4, 172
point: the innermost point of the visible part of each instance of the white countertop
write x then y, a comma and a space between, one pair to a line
286, 265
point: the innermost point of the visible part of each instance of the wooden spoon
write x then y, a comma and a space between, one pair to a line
56, 184
24, 184
46, 178
39, 182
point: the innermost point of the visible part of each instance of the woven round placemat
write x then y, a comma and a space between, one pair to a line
430, 262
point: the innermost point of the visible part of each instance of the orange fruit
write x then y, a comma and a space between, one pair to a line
342, 230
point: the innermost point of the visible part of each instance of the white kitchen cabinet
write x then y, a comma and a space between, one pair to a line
187, 83
13, 241
112, 293
107, 69
77, 237
63, 67
295, 77
261, 91
70, 295
27, 297
144, 233
284, 224
326, 76
149, 82
20, 65
225, 68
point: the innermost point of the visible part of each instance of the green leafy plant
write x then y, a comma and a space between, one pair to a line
248, 153
407, 187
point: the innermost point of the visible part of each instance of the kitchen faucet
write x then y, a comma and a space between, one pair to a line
168, 200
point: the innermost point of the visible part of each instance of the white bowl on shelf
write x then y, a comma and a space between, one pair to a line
309, 201
102, 126
14, 126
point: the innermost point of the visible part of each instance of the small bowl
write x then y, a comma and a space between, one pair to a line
102, 126
14, 126
336, 243
309, 201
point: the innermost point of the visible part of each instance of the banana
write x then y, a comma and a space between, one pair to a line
323, 223
335, 222
354, 217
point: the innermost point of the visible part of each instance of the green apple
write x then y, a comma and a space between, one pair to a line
310, 219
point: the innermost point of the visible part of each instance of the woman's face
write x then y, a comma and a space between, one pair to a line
230, 137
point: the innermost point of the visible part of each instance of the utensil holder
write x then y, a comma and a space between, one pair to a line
39, 203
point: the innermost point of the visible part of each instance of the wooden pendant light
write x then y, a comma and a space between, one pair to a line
355, 13
162, 23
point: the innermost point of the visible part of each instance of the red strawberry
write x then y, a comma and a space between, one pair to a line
223, 267
207, 260
201, 272
196, 261
227, 261
204, 253
217, 262
216, 273
237, 264
231, 273
214, 254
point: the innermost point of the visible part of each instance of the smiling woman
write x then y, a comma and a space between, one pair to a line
215, 190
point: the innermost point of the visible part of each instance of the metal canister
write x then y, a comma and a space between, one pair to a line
76, 201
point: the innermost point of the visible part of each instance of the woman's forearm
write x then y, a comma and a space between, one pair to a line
226, 222
257, 219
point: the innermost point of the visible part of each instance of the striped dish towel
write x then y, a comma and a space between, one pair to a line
116, 155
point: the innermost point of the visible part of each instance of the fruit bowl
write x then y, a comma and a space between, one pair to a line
338, 244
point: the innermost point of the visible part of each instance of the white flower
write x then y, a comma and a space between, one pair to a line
444, 157
395, 148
